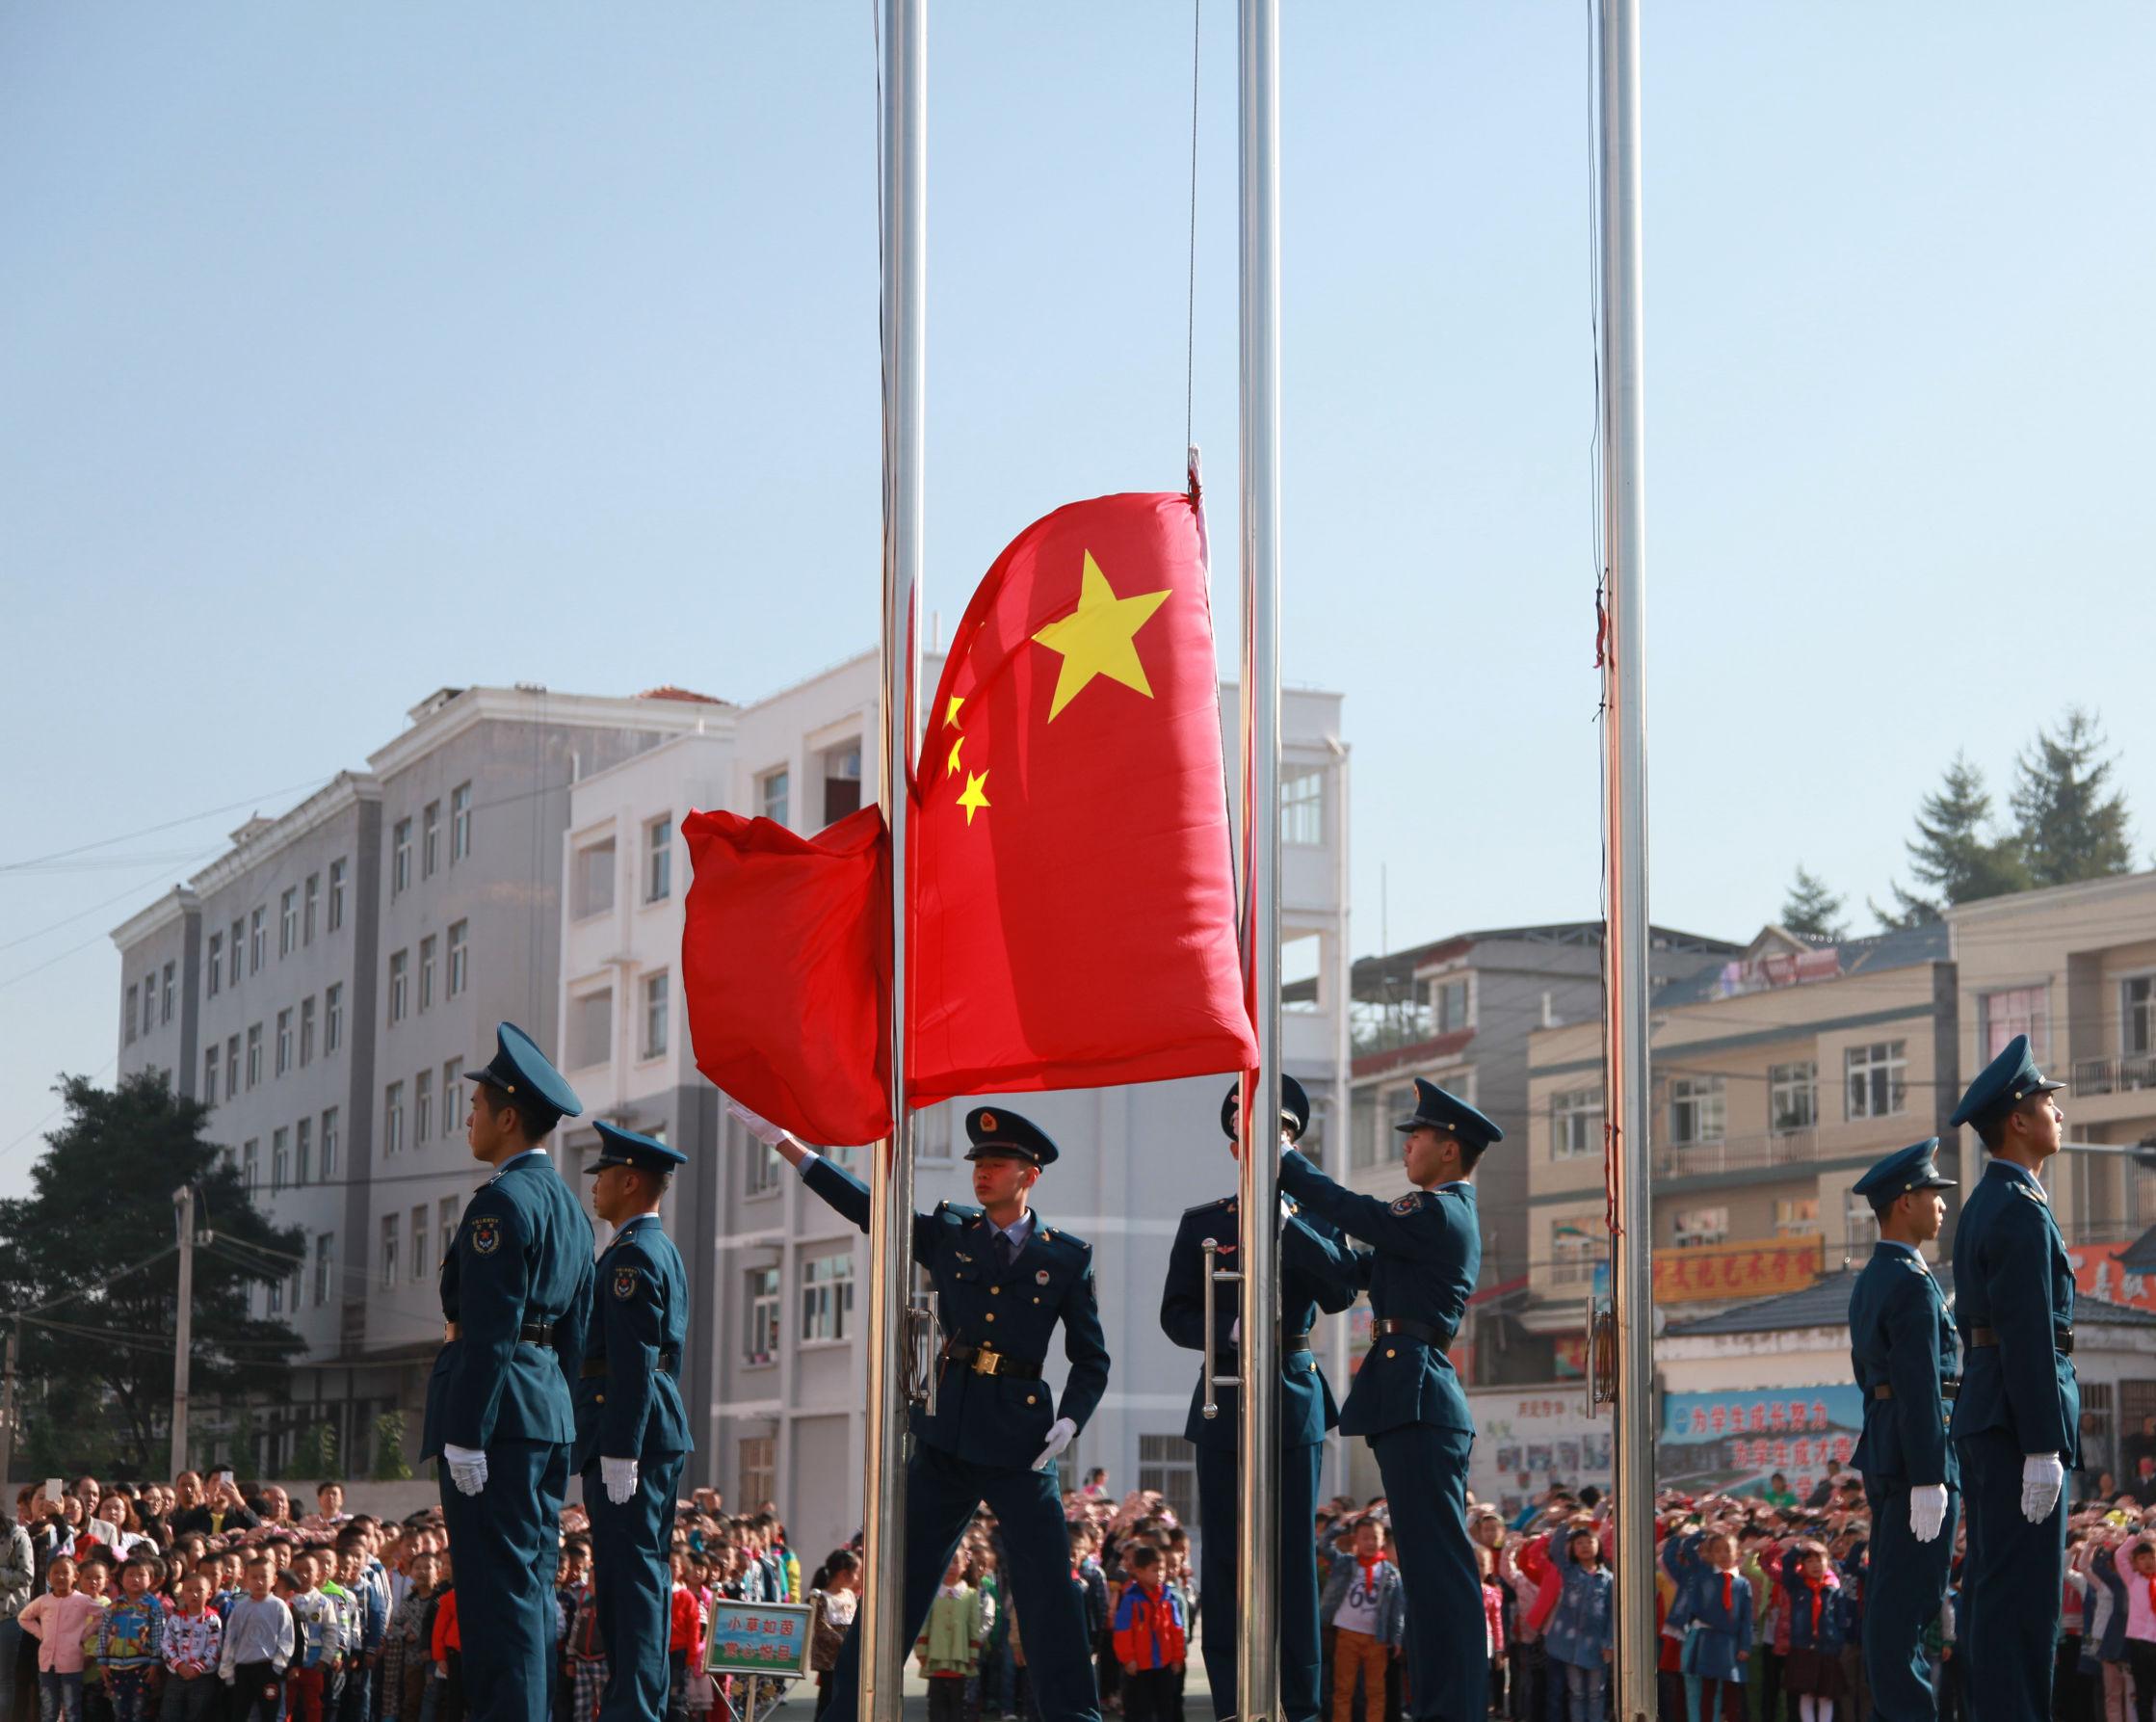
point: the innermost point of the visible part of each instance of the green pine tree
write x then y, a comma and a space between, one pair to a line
1811, 911
1952, 852
2072, 825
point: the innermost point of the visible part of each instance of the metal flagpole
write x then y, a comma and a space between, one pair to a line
1624, 766
1257, 1663
890, 1249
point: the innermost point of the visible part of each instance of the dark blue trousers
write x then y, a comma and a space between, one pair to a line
2013, 1582
942, 1492
632, 1582
1901, 1599
1220, 1506
506, 1544
1424, 1473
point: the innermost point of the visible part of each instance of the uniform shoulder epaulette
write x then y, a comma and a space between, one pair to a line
957, 1212
1206, 1207
1068, 1240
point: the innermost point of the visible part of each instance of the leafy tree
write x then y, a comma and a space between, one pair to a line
390, 1465
2070, 828
1954, 853
92, 1261
315, 1453
1810, 909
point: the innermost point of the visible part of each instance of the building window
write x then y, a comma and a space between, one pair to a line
214, 973
166, 994
254, 1055
288, 922
1797, 1216
393, 1118
1863, 1225
332, 1017
281, 1159
233, 1069
658, 860
593, 880
400, 963
445, 1226
419, 1242
337, 893
1451, 1004
459, 822
149, 1001
1301, 972
389, 1251
426, 972
827, 1296
1878, 1079
932, 1133
251, 1157
1303, 808
842, 781
774, 795
210, 1076
1169, 1464
400, 856
1575, 1123
1573, 1254
655, 1016
2136, 1014
330, 1145
132, 993
1697, 1110
1691, 1227
309, 904
1793, 1097
2015, 1010
460, 947
255, 939
430, 839
307, 1032
762, 1167
758, 1467
423, 1108
302, 1153
285, 1041
452, 1094
273, 1297
592, 1028
760, 1340
232, 949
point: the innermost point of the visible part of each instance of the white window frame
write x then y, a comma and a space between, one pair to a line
400, 856
283, 1058
307, 1031
426, 972
2127, 1010
329, 1144
658, 858
1303, 808
419, 1241
288, 922
1708, 1097
337, 872
1576, 1123
763, 1293
657, 1009
778, 809
399, 984
310, 901
1889, 1058
393, 1120
596, 887
213, 972
1800, 1077
303, 1153
1695, 1228
2034, 1022
391, 1225
1574, 1251
430, 839
460, 823
826, 1294
332, 1017
423, 1107
281, 1159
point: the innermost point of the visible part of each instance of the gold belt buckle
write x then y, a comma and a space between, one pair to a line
986, 1362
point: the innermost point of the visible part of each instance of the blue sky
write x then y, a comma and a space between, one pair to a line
348, 354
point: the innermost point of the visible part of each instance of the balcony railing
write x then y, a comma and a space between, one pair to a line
2115, 1076
1736, 1153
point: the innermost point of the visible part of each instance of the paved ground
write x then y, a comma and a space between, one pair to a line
800, 1703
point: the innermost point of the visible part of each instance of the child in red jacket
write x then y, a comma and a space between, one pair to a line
1149, 1640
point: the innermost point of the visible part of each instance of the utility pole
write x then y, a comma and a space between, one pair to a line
8, 1400
183, 1205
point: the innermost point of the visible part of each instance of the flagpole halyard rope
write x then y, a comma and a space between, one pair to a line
1190, 310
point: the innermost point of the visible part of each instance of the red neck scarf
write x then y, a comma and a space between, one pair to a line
1370, 1568
1728, 1592
1819, 1595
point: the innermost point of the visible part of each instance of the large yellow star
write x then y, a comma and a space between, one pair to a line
974, 799
1099, 638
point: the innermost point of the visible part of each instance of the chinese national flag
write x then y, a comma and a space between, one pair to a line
786, 966
1072, 889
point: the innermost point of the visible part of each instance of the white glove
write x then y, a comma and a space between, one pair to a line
756, 1125
621, 1477
1926, 1511
467, 1468
1060, 1436
2043, 1477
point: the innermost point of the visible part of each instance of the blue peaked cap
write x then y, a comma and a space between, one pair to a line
997, 1130
1906, 1169
2005, 1082
1437, 1110
1295, 1106
522, 1071
626, 1147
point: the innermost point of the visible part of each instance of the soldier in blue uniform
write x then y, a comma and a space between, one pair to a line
632, 1433
1902, 1348
1406, 1400
2017, 1419
1317, 1271
516, 1296
1004, 1281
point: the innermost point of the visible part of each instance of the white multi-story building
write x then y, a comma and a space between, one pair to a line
775, 1373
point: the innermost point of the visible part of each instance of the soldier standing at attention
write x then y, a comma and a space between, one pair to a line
1003, 1279
632, 1433
1901, 1345
1406, 1400
515, 1293
2017, 1419
1317, 1271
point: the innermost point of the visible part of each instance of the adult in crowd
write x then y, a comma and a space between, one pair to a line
209, 1508
18, 1574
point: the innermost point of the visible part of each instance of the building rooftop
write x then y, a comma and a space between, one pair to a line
1777, 959
1387, 976
1826, 1305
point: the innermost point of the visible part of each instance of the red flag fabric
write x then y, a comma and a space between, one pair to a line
1072, 918
786, 966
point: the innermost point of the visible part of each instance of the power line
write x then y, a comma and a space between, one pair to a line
37, 860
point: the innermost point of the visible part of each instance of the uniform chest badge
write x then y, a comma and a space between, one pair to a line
1408, 1203
1041, 1278
486, 1235
624, 1283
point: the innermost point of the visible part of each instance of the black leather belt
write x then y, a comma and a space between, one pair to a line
594, 1369
532, 1333
985, 1360
1428, 1332
1295, 1342
2062, 1338
1948, 1389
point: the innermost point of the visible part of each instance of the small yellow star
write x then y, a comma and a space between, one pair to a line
974, 799
951, 765
1099, 638
951, 713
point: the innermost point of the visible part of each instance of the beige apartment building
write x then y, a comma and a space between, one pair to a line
1778, 1076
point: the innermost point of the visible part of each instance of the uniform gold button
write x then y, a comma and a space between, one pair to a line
1028, 1398
1389, 1352
598, 1398
1036, 1300
994, 1289
991, 1314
